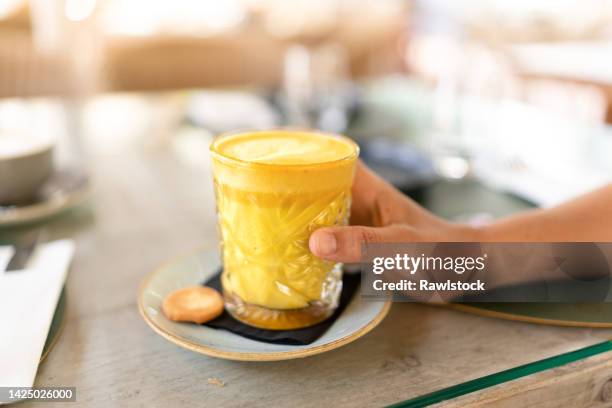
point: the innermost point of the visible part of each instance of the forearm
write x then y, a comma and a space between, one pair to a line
587, 218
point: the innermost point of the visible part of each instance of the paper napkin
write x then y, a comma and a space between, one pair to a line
27, 304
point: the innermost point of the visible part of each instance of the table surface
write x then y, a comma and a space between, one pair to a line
566, 61
152, 200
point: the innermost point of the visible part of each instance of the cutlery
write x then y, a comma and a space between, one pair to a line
23, 252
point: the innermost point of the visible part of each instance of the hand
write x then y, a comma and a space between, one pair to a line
381, 213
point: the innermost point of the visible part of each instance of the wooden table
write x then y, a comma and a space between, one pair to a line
152, 200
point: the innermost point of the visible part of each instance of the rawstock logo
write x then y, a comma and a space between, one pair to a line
488, 272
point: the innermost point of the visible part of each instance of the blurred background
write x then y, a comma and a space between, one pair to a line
514, 94
475, 108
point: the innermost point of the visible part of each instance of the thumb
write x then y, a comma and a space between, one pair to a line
343, 244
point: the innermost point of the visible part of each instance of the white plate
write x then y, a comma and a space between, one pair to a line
357, 319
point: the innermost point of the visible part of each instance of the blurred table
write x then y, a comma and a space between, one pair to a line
584, 63
587, 62
152, 200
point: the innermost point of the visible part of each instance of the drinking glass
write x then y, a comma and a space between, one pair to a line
266, 213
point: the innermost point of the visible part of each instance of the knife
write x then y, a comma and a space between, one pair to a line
23, 253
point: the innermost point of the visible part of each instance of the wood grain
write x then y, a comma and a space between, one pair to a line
149, 204
585, 383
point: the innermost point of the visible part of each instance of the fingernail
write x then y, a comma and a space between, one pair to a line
325, 243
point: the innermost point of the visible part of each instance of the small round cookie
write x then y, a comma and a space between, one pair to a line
197, 304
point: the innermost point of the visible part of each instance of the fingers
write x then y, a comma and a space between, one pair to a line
378, 203
393, 207
366, 188
343, 244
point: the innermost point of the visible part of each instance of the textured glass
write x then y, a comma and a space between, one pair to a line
266, 215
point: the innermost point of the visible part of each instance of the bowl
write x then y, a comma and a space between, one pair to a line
26, 163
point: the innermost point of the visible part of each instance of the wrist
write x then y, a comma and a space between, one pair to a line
467, 233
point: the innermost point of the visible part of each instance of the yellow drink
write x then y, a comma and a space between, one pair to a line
273, 189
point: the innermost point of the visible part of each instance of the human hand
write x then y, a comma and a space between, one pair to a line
381, 213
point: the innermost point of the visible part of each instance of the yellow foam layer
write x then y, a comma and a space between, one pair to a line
283, 162
284, 147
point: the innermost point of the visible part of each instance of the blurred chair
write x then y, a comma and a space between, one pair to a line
34, 64
23, 70
171, 62
246, 55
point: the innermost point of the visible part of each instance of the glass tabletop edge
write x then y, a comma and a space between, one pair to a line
501, 377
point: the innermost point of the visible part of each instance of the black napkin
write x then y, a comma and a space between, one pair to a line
298, 337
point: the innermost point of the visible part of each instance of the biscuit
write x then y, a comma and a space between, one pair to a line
197, 304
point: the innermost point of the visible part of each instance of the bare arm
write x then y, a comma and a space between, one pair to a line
382, 214
586, 218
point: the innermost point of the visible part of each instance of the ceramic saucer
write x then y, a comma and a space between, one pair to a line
65, 189
358, 318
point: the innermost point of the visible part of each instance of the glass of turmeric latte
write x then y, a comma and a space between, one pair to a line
273, 189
